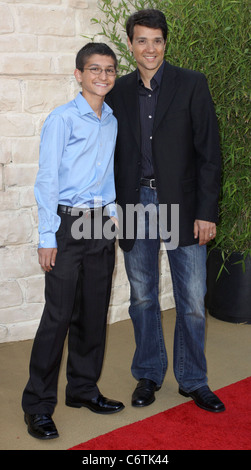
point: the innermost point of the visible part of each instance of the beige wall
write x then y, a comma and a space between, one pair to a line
38, 43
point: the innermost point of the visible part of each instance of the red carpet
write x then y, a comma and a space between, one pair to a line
187, 427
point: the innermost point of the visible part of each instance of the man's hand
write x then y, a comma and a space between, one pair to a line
206, 231
47, 258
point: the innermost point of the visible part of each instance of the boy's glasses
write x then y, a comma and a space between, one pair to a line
98, 70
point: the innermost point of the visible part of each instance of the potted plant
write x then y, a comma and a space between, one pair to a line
211, 37
229, 258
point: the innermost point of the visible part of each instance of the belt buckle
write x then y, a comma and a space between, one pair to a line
151, 183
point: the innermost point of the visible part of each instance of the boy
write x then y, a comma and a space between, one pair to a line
75, 171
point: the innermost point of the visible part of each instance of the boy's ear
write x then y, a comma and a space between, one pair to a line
77, 74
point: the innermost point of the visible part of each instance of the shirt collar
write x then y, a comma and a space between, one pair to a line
85, 108
156, 79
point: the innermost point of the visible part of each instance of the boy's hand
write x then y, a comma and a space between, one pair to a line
47, 258
115, 221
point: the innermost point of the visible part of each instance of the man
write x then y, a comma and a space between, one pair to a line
75, 177
167, 154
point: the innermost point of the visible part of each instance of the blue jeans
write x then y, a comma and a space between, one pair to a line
188, 271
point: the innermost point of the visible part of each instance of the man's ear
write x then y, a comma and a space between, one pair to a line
129, 44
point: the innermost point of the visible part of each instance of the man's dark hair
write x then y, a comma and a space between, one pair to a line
150, 18
93, 48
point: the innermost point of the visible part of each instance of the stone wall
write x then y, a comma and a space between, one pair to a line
38, 43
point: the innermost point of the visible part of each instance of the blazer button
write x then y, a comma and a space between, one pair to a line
137, 189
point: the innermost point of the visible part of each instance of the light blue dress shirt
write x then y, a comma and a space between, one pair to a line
76, 164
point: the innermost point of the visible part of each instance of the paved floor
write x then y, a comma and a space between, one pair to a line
228, 351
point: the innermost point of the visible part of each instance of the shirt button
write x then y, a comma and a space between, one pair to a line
149, 96
150, 117
151, 138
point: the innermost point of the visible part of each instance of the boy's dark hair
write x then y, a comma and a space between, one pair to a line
93, 48
150, 18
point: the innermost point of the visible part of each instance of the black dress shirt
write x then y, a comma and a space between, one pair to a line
147, 103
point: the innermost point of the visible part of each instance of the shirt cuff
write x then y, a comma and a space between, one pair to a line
47, 240
111, 210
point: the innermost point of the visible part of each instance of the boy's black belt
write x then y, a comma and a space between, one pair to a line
77, 211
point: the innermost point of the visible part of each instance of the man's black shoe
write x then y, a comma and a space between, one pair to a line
99, 404
41, 426
205, 399
143, 394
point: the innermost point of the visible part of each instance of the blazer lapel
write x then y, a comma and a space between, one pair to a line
168, 89
131, 103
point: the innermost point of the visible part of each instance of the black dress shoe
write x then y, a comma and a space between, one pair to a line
143, 394
41, 426
99, 404
205, 399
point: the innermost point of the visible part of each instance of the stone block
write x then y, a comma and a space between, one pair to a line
33, 287
19, 331
85, 26
27, 197
165, 284
18, 262
9, 199
49, 20
1, 177
120, 295
4, 334
26, 64
45, 95
166, 302
15, 227
17, 43
6, 20
39, 2
13, 125
26, 314
119, 275
5, 150
25, 150
10, 95
20, 175
117, 313
79, 4
61, 44
10, 295
65, 64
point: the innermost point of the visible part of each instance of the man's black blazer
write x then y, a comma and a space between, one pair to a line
185, 143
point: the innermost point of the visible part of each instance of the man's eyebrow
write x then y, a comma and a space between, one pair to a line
143, 37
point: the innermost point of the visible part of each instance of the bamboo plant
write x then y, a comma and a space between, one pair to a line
211, 36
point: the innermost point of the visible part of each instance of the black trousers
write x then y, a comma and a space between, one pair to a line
76, 305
